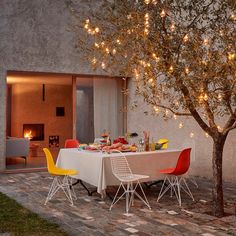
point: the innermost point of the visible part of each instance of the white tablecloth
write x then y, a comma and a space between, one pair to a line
95, 167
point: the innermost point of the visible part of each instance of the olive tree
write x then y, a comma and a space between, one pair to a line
181, 55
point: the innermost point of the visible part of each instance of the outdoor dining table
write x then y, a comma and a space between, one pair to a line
94, 168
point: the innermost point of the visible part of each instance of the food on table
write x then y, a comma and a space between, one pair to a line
120, 147
120, 139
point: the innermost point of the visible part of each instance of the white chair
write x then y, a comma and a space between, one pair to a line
129, 181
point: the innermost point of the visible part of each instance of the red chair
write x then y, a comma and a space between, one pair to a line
175, 177
71, 143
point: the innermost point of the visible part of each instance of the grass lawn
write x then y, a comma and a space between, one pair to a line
17, 220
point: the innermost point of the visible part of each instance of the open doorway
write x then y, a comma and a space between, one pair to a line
43, 110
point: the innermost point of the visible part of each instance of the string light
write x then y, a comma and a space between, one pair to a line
219, 128
171, 69
233, 17
220, 97
207, 135
107, 50
118, 41
175, 117
185, 39
172, 27
103, 65
186, 70
231, 56
97, 30
146, 24
205, 42
96, 45
181, 125
191, 135
114, 51
205, 97
147, 1
94, 61
163, 13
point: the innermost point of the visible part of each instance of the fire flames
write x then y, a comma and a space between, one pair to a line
28, 134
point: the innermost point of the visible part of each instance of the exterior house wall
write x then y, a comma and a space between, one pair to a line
34, 37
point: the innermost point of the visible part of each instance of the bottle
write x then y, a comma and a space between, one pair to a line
108, 140
146, 144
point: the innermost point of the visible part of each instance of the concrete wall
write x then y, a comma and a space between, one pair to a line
201, 145
34, 37
29, 108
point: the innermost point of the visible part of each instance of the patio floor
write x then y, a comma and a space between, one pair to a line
91, 215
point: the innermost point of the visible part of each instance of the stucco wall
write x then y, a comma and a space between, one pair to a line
34, 36
201, 145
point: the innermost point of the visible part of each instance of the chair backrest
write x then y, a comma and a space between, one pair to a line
119, 165
50, 162
163, 140
71, 143
183, 163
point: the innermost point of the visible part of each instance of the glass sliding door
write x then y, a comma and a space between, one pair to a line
100, 103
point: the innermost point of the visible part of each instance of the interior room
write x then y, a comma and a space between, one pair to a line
43, 110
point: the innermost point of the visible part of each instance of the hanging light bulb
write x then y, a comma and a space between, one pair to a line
103, 65
114, 51
94, 61
97, 30
181, 125
207, 135
175, 117
118, 41
172, 27
205, 42
191, 135
163, 13
186, 70
185, 39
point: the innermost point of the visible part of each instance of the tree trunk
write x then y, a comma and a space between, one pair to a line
217, 191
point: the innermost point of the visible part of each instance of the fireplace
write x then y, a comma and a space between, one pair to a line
34, 132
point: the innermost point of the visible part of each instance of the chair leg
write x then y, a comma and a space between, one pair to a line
187, 190
52, 190
193, 180
145, 201
127, 198
58, 184
114, 200
164, 190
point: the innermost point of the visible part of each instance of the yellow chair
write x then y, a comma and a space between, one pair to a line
64, 183
163, 140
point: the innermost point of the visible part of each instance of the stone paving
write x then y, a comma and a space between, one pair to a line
91, 215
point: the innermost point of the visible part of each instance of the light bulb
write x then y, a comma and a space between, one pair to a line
147, 1
186, 70
191, 135
181, 125
163, 13
103, 65
185, 38
172, 27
